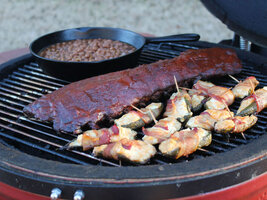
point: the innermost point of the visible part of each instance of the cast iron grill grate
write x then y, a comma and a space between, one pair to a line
28, 82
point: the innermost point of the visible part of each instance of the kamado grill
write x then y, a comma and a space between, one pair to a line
32, 159
34, 165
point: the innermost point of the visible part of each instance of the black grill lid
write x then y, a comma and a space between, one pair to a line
246, 18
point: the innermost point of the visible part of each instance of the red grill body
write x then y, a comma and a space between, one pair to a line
32, 163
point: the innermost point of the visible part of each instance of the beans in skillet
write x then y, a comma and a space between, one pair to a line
87, 50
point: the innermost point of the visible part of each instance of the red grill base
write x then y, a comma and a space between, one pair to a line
11, 193
255, 189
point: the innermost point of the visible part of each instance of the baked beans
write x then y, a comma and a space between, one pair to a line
87, 50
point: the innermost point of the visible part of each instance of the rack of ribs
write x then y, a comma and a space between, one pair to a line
103, 98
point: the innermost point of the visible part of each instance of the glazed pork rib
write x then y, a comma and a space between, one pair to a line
103, 98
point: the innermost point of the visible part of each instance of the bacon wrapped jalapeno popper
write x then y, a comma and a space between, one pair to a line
208, 118
219, 96
254, 103
161, 131
198, 99
135, 151
92, 138
185, 142
136, 119
179, 106
245, 88
236, 124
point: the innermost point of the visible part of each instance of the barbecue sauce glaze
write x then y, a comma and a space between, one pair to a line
102, 98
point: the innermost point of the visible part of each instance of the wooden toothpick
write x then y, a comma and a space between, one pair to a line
153, 117
234, 78
228, 90
227, 108
186, 88
243, 135
252, 87
138, 109
232, 118
176, 84
202, 149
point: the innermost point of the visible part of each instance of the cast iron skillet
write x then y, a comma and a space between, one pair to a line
73, 71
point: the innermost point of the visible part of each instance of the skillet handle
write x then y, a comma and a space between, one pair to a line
174, 38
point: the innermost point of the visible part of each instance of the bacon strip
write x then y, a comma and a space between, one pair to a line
137, 119
189, 142
246, 87
219, 95
208, 118
236, 124
185, 142
254, 103
135, 151
259, 102
92, 138
161, 131
178, 106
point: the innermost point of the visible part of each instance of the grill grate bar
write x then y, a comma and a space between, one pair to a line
31, 145
27, 134
257, 131
34, 122
215, 148
43, 76
248, 73
264, 117
176, 46
204, 151
24, 94
19, 117
49, 84
33, 129
234, 140
17, 76
157, 54
35, 67
32, 90
55, 145
10, 108
94, 158
158, 161
11, 102
227, 144
15, 97
148, 57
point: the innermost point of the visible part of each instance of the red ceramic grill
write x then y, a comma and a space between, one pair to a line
32, 159
33, 164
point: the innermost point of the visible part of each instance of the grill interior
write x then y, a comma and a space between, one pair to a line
27, 83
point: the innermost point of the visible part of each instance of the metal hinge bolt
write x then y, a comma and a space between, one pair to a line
55, 193
78, 195
244, 44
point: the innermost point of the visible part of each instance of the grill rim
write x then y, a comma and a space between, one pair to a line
229, 173
12, 159
135, 174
